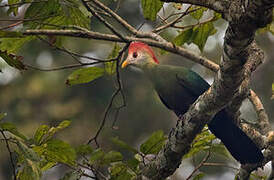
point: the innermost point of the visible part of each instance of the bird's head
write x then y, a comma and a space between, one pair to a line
139, 54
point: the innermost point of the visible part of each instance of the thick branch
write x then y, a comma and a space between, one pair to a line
226, 85
109, 37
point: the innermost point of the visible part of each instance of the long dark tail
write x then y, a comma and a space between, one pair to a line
241, 147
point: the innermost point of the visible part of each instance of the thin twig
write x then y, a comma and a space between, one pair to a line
117, 91
220, 164
100, 18
72, 54
11, 25
200, 165
170, 24
70, 66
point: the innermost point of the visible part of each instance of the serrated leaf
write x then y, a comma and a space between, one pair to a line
13, 60
202, 142
83, 150
42, 10
57, 151
40, 133
123, 145
10, 34
154, 143
151, 8
201, 33
112, 156
183, 37
54, 13
97, 156
2, 115
85, 75
10, 127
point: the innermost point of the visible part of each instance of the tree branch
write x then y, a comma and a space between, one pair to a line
225, 86
109, 37
219, 6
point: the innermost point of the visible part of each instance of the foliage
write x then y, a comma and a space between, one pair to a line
205, 142
85, 75
272, 97
44, 150
197, 34
151, 8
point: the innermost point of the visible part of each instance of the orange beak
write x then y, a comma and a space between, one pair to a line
125, 63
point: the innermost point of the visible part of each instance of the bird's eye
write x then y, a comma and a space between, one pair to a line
135, 55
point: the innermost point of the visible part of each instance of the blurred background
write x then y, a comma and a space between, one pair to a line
33, 98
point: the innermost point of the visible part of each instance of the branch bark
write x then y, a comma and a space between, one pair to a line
239, 35
244, 19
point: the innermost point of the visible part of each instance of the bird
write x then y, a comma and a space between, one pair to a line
178, 87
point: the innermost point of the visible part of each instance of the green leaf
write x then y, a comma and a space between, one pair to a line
27, 152
271, 28
56, 14
151, 8
10, 127
198, 13
13, 60
42, 10
48, 165
199, 176
202, 142
97, 156
272, 91
197, 35
83, 150
133, 163
220, 149
40, 133
57, 151
110, 67
112, 156
201, 33
42, 136
30, 171
84, 75
123, 145
10, 34
119, 171
72, 175
13, 9
13, 45
183, 37
2, 115
154, 143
